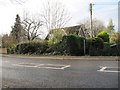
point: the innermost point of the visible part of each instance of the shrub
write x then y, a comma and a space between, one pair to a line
82, 42
31, 48
69, 45
115, 37
111, 51
8, 44
88, 45
95, 46
118, 48
104, 36
10, 47
72, 45
11, 50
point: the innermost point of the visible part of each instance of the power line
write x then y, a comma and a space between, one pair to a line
105, 3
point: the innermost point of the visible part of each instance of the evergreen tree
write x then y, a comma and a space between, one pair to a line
110, 27
16, 29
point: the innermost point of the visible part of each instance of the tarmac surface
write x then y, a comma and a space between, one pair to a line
59, 72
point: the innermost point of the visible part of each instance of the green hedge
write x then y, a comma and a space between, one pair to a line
94, 46
111, 51
31, 48
69, 45
104, 36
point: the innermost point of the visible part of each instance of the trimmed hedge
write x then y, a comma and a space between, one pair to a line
111, 51
95, 46
69, 45
72, 45
31, 48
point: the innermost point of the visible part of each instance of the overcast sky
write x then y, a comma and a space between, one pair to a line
79, 9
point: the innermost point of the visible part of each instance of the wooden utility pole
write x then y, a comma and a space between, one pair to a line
91, 23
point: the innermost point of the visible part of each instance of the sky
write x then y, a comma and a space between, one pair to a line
103, 10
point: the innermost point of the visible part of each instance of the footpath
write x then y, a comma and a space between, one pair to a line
62, 57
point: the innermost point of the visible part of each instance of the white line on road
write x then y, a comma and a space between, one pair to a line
103, 69
66, 66
46, 66
51, 68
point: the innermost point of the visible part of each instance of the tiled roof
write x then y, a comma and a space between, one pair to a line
78, 29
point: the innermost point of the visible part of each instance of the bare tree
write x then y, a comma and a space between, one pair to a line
55, 15
3, 2
18, 1
32, 27
98, 26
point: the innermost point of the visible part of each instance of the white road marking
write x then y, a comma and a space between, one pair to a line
46, 66
39, 65
66, 66
51, 68
22, 65
103, 69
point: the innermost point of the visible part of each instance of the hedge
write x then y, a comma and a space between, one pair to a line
31, 48
94, 46
103, 35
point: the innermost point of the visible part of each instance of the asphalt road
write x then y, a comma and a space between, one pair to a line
52, 73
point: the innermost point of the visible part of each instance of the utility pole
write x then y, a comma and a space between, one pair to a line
91, 23
91, 13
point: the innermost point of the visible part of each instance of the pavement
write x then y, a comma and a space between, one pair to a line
59, 72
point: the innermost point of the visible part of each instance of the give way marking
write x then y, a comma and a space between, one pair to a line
46, 66
109, 69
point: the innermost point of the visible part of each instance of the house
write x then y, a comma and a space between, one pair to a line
79, 30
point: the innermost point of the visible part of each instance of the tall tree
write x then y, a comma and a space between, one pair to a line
32, 27
16, 29
98, 26
55, 15
18, 1
12, 1
110, 27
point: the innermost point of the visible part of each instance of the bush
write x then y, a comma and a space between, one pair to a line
111, 51
10, 47
88, 45
118, 48
69, 45
11, 50
31, 48
55, 49
94, 46
82, 40
115, 37
8, 44
104, 36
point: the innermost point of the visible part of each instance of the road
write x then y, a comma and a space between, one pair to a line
52, 73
